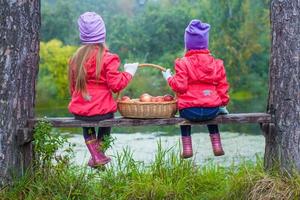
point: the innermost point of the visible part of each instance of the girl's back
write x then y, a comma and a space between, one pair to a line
200, 80
202, 67
96, 97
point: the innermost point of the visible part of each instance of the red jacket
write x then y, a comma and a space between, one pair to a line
100, 91
200, 80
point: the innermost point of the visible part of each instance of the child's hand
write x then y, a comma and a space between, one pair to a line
131, 68
167, 74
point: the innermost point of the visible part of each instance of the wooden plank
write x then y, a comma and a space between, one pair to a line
119, 121
24, 136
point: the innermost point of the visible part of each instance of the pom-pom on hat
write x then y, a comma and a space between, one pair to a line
196, 35
91, 28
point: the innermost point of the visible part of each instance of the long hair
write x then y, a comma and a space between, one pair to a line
77, 63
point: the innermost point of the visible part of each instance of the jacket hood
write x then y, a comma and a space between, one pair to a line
203, 65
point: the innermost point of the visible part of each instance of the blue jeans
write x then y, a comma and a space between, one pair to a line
197, 114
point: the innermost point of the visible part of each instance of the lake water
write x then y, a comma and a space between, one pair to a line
237, 147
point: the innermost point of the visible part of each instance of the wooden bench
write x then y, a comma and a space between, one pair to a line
119, 121
25, 135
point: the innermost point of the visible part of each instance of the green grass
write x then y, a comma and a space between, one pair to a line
167, 177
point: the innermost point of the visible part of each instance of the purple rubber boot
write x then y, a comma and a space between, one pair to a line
98, 147
98, 157
186, 147
216, 144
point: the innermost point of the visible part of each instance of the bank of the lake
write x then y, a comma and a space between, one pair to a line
167, 177
146, 165
238, 147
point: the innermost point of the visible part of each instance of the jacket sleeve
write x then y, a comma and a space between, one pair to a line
223, 86
116, 80
179, 82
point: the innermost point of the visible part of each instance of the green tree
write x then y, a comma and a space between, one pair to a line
153, 32
59, 21
53, 74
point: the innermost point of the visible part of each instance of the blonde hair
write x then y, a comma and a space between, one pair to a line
77, 63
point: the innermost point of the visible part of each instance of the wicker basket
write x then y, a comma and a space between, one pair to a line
136, 109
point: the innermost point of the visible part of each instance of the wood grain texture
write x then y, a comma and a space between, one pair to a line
222, 119
283, 137
19, 47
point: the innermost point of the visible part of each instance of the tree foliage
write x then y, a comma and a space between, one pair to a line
53, 74
152, 31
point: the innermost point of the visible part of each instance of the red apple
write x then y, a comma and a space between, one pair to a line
125, 98
168, 97
160, 99
154, 99
145, 97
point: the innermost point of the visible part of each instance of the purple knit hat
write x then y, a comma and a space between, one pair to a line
196, 35
91, 28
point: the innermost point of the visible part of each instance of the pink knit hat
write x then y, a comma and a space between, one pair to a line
91, 28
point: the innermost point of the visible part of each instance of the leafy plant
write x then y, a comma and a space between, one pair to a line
107, 142
47, 143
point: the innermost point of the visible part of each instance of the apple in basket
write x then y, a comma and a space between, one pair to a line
125, 98
160, 99
154, 99
168, 97
145, 97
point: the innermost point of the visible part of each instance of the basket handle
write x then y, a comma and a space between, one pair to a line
146, 65
152, 65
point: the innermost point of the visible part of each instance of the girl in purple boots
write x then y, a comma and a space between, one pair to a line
201, 86
93, 76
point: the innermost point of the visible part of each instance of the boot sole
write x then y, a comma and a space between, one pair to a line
219, 154
100, 164
186, 156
